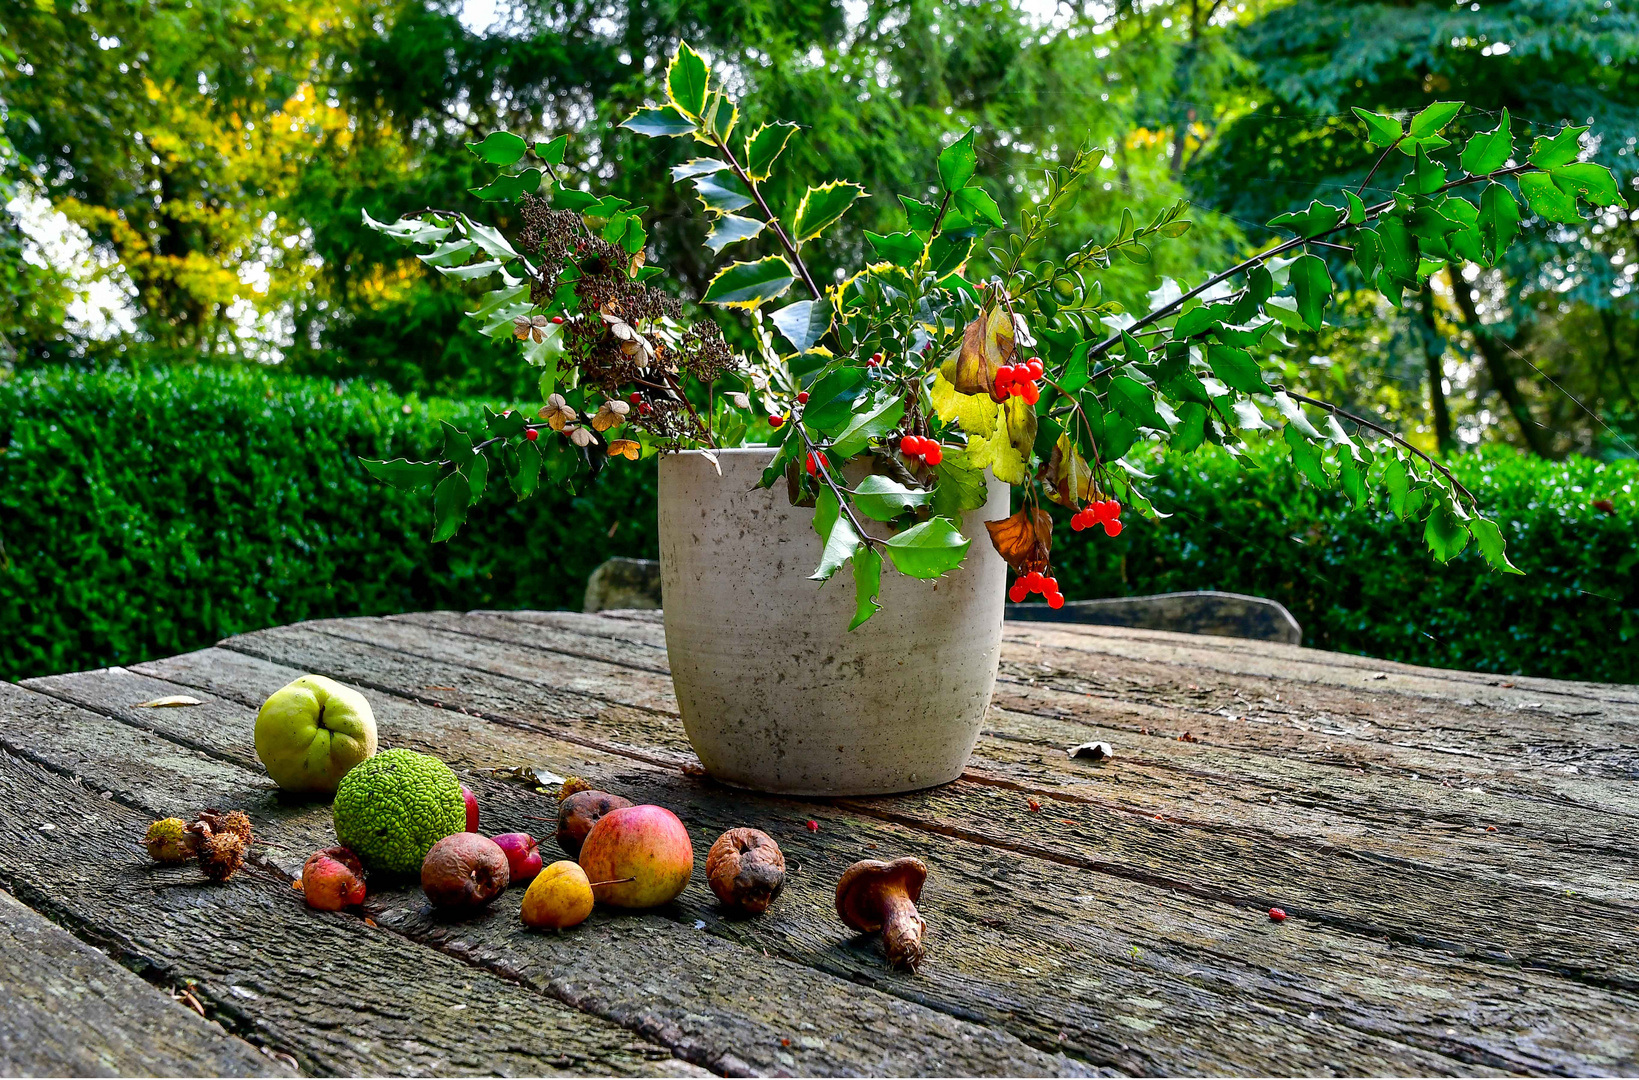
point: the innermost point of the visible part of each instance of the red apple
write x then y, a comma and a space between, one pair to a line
333, 879
472, 808
522, 855
646, 844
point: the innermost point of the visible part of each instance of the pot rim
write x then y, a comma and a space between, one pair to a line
722, 450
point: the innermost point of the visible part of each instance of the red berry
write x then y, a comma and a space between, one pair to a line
1036, 369
931, 453
1115, 509
531, 434
1076, 524
1112, 527
813, 826
1017, 593
557, 319
776, 420
1051, 585
802, 398
910, 446
1033, 580
1277, 915
1055, 600
643, 408
1004, 375
812, 468
634, 397
876, 358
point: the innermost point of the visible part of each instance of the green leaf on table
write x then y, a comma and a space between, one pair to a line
731, 229
1382, 131
803, 323
1236, 368
1490, 150
1313, 285
867, 585
1317, 219
504, 425
450, 503
977, 204
404, 474
957, 163
509, 188
747, 284
1491, 544
524, 470
1306, 456
501, 148
658, 122
903, 249
721, 194
1547, 199
687, 78
763, 146
552, 152
1444, 532
697, 167
1562, 148
928, 550
1593, 182
836, 533
884, 498
1433, 118
821, 207
879, 415
959, 486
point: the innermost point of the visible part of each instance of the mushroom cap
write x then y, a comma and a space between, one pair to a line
863, 880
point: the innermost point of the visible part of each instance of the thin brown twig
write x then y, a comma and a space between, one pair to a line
1383, 431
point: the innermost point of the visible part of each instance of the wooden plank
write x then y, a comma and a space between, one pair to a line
1215, 972
1494, 917
71, 1011
298, 982
704, 996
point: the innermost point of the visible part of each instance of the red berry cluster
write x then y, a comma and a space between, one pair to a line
1020, 380
874, 361
928, 450
813, 466
1107, 513
1036, 582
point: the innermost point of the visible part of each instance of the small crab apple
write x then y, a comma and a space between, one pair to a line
522, 855
333, 878
472, 808
558, 898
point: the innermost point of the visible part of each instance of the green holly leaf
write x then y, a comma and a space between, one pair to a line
1136, 402
450, 503
1318, 219
1547, 152
504, 425
501, 148
763, 146
658, 122
1489, 539
831, 399
731, 229
687, 78
1427, 176
1547, 199
509, 188
457, 445
1236, 368
879, 414
903, 249
524, 469
835, 532
947, 253
747, 284
1306, 456
977, 205
1489, 151
404, 474
1398, 484
1433, 118
1382, 131
1190, 432
1398, 249
721, 194
1195, 321
959, 486
867, 585
804, 323
957, 163
1357, 209
928, 550
1445, 533
1595, 183
821, 207
408, 230
552, 152
1313, 285
884, 498
477, 477
697, 167
919, 216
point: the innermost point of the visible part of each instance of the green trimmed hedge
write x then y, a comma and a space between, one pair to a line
150, 513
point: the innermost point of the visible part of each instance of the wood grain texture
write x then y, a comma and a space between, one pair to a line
68, 1010
1076, 923
714, 1001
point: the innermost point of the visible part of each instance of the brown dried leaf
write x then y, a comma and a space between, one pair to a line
1069, 477
1024, 540
987, 344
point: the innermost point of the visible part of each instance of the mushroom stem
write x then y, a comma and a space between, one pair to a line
902, 929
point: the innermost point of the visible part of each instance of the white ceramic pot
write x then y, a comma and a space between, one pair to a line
776, 693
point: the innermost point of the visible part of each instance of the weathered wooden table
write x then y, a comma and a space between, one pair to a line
1455, 854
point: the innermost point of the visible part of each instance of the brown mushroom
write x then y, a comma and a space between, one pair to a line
746, 870
875, 895
579, 812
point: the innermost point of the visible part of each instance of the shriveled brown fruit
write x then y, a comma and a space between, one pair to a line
875, 895
228, 821
571, 786
221, 855
746, 869
579, 812
465, 870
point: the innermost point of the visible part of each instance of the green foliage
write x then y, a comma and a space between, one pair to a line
208, 503
1355, 579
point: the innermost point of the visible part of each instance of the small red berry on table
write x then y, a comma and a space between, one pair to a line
1277, 915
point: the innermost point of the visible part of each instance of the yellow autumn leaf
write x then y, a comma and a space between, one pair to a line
973, 413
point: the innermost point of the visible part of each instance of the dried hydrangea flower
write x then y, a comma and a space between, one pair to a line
531, 328
612, 412
557, 412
